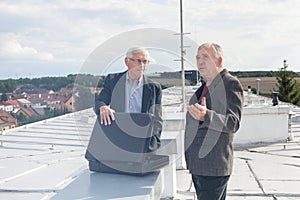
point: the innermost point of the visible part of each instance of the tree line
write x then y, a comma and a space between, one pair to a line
288, 87
50, 83
249, 74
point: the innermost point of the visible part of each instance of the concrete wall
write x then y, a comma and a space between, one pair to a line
263, 124
260, 123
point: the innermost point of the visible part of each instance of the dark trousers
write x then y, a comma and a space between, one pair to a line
210, 187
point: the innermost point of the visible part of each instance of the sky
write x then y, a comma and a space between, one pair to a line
55, 38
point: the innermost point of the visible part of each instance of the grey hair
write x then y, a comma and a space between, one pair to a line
134, 50
216, 49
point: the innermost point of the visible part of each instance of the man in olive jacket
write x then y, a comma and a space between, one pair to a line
213, 116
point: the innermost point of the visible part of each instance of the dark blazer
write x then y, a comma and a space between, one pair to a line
113, 94
208, 143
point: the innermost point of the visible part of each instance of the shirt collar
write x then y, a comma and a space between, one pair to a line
139, 82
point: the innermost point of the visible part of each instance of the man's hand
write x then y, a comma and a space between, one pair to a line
106, 115
198, 111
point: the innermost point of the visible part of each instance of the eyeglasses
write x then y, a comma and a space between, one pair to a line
138, 61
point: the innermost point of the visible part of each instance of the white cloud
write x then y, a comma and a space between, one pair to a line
10, 48
252, 32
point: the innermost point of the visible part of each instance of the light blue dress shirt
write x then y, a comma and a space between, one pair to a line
133, 95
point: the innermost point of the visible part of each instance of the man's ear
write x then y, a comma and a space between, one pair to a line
126, 61
220, 60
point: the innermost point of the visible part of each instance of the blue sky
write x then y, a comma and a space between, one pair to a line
55, 38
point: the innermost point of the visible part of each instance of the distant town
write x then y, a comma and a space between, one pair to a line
25, 100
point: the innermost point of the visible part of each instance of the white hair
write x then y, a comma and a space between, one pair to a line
216, 49
134, 50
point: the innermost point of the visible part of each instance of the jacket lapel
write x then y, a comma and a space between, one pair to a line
118, 94
147, 96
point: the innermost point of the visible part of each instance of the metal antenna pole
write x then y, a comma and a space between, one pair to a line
182, 59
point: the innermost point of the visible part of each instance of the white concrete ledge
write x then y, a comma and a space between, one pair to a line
100, 186
263, 124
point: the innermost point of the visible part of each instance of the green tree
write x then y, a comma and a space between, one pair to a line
8, 85
21, 118
4, 97
296, 98
2, 88
288, 87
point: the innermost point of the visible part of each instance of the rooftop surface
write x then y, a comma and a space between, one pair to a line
268, 171
41, 159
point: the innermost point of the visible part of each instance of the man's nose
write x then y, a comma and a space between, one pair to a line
141, 66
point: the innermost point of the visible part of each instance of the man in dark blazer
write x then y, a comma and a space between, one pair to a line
213, 116
131, 91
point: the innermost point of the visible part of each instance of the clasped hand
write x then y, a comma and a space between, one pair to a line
198, 111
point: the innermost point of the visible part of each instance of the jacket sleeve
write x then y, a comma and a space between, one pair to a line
228, 119
104, 98
157, 128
